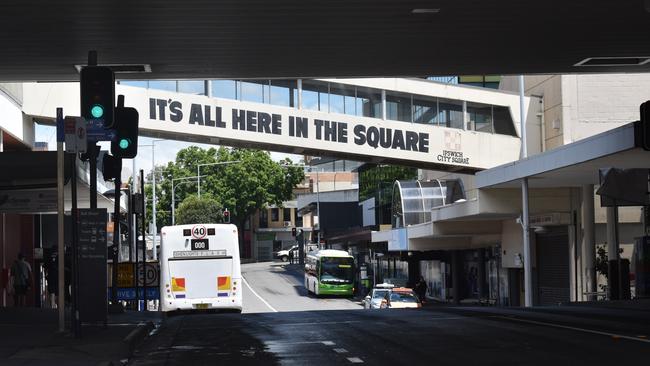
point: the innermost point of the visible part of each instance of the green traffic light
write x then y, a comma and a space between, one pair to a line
97, 111
124, 143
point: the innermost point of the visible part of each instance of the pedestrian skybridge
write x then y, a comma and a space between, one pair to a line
410, 122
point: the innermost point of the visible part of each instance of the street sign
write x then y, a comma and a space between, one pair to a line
151, 272
69, 129
128, 293
126, 275
96, 131
74, 129
91, 233
81, 136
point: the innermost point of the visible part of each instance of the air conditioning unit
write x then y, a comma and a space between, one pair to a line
287, 224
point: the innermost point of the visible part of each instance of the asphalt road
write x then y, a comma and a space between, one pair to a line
281, 325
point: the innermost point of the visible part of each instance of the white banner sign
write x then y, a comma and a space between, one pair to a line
229, 122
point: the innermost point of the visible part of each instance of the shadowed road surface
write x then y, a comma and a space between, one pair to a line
282, 325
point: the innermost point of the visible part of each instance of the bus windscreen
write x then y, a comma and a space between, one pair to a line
336, 270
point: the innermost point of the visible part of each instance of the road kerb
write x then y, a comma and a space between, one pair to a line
137, 335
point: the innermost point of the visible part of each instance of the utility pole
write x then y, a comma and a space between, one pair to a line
60, 217
528, 279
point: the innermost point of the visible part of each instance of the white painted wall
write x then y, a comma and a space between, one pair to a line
11, 117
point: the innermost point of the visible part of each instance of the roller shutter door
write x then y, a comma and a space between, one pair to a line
553, 266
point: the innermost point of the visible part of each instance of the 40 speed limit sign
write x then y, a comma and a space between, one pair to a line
199, 231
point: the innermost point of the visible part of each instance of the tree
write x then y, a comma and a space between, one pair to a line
244, 187
194, 210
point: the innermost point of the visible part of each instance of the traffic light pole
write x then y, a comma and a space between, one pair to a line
93, 152
144, 244
115, 307
76, 325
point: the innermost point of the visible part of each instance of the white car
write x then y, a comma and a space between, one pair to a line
373, 300
401, 298
283, 255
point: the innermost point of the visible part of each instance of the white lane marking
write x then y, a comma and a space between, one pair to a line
355, 360
317, 323
613, 335
340, 350
258, 296
280, 343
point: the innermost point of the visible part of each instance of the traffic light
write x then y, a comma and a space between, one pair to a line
111, 167
645, 125
125, 142
226, 216
98, 94
293, 232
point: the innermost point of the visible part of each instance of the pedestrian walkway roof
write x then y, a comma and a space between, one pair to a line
574, 164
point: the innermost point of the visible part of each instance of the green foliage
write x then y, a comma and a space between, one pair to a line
194, 210
601, 261
380, 179
249, 184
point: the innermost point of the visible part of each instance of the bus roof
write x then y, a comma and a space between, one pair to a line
189, 226
331, 253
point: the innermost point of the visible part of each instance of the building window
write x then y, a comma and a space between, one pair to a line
479, 117
257, 91
398, 107
314, 96
226, 89
425, 110
369, 103
168, 85
264, 218
136, 83
196, 87
286, 214
284, 93
503, 121
342, 99
450, 113
275, 214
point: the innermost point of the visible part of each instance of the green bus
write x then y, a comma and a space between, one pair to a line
330, 272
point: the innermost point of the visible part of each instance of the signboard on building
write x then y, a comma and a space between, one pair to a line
91, 233
398, 241
28, 201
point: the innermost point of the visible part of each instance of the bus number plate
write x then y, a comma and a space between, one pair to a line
199, 244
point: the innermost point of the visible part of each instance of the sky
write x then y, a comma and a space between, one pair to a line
165, 150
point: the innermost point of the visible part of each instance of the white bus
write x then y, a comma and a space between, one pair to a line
200, 268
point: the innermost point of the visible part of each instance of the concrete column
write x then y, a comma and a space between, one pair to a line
456, 272
575, 287
383, 105
588, 241
482, 293
612, 252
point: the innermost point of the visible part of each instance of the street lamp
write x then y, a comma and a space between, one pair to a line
174, 193
198, 171
153, 189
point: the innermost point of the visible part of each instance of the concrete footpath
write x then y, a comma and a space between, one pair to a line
30, 336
